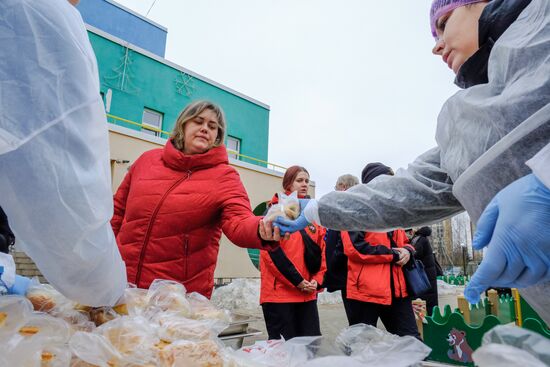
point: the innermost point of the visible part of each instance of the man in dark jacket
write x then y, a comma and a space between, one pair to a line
425, 254
7, 238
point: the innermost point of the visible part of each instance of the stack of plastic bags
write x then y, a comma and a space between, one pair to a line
165, 326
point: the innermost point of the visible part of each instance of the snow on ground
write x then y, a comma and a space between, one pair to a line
244, 294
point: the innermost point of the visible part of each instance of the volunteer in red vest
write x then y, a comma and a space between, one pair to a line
375, 286
174, 203
291, 275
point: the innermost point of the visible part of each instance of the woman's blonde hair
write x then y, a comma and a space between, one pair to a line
189, 113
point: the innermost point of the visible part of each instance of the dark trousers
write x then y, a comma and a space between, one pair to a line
290, 320
398, 318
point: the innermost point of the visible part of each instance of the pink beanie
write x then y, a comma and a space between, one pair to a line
442, 7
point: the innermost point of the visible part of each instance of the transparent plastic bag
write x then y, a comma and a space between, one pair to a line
332, 361
133, 337
376, 347
21, 352
40, 342
46, 298
102, 315
77, 320
94, 349
168, 295
498, 355
58, 356
288, 207
135, 302
173, 328
14, 313
183, 353
264, 353
528, 341
48, 330
203, 309
271, 353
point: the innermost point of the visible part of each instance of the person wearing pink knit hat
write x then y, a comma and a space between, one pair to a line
454, 24
492, 154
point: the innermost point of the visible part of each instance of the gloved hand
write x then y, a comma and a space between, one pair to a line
303, 204
20, 286
291, 226
515, 227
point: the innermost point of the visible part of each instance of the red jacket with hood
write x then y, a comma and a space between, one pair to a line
372, 272
169, 214
277, 287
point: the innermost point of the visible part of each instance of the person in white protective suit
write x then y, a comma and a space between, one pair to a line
54, 155
492, 154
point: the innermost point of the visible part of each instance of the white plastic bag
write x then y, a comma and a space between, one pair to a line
498, 355
274, 353
54, 150
375, 347
512, 338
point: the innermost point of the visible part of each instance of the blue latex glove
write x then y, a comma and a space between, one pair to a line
303, 204
291, 226
515, 228
20, 285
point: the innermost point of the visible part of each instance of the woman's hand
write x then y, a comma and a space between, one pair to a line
404, 256
314, 285
308, 287
268, 233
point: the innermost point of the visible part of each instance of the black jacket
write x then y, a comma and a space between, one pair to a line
495, 19
425, 254
7, 237
337, 262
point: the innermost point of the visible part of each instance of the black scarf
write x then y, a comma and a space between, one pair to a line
495, 19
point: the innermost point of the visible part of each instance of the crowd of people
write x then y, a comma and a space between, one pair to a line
492, 160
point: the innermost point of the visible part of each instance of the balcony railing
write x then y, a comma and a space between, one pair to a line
116, 120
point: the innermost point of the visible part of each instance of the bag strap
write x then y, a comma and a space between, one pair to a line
306, 238
390, 237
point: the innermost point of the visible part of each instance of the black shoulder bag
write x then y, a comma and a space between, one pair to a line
415, 276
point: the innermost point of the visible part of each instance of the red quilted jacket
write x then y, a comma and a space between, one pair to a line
170, 211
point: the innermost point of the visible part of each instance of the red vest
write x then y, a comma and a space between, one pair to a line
274, 286
370, 276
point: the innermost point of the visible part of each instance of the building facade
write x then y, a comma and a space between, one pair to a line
143, 95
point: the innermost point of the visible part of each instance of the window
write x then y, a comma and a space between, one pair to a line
151, 119
233, 147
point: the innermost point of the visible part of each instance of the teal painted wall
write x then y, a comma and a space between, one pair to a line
138, 81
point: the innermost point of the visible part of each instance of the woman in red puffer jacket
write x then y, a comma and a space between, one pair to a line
174, 203
291, 275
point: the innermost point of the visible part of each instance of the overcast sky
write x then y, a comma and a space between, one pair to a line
348, 82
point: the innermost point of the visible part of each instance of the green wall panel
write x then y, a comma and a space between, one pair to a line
138, 81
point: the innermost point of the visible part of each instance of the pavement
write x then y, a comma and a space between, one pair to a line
333, 320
